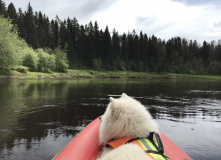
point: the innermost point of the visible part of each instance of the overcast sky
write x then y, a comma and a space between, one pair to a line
190, 19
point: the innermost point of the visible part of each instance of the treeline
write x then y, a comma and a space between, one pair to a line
91, 47
16, 54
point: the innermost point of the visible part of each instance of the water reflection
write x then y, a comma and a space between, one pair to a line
39, 117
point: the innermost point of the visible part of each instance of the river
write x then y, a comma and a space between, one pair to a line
39, 117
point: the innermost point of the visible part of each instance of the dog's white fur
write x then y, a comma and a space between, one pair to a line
125, 117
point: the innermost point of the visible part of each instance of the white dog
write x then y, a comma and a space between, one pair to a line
125, 117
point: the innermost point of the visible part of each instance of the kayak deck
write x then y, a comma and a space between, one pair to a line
85, 146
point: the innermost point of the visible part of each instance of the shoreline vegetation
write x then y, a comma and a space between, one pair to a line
79, 73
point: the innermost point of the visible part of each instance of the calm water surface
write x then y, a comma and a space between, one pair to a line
39, 117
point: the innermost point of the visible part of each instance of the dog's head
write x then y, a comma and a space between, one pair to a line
125, 117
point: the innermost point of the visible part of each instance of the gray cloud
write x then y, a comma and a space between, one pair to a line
217, 24
148, 25
145, 21
82, 10
88, 8
195, 2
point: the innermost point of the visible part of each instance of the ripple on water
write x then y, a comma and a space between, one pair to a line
34, 108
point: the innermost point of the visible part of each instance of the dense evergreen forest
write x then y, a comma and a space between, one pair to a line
88, 46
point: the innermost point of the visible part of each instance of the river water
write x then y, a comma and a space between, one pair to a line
39, 117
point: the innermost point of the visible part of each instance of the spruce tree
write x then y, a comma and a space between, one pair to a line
70, 42
30, 26
97, 39
82, 49
107, 43
54, 34
145, 50
115, 44
130, 45
21, 27
40, 29
91, 38
48, 33
206, 53
3, 9
75, 32
124, 46
12, 13
63, 34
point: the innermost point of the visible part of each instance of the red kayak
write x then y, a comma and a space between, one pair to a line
85, 146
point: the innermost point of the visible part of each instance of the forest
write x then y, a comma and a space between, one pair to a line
31, 41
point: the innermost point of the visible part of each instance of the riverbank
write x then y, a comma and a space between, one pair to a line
77, 73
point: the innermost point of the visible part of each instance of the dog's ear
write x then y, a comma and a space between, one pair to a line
112, 101
124, 95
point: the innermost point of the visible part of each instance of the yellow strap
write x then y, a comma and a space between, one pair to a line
147, 145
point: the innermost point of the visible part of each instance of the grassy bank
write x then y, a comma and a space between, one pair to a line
72, 73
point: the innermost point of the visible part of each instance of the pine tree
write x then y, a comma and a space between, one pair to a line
97, 40
21, 27
136, 49
218, 50
124, 45
91, 38
153, 53
3, 8
82, 48
30, 26
63, 34
206, 53
70, 42
40, 29
47, 32
130, 45
145, 50
75, 32
54, 34
161, 56
107, 43
115, 44
143, 47
185, 50
12, 13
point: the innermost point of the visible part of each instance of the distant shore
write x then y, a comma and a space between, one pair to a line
77, 73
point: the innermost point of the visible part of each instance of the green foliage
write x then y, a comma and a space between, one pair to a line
215, 68
97, 63
4, 71
11, 51
141, 67
46, 61
31, 61
173, 69
61, 61
198, 66
191, 72
118, 64
132, 66
21, 69
61, 66
2, 8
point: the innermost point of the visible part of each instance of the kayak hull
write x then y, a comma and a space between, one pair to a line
85, 146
